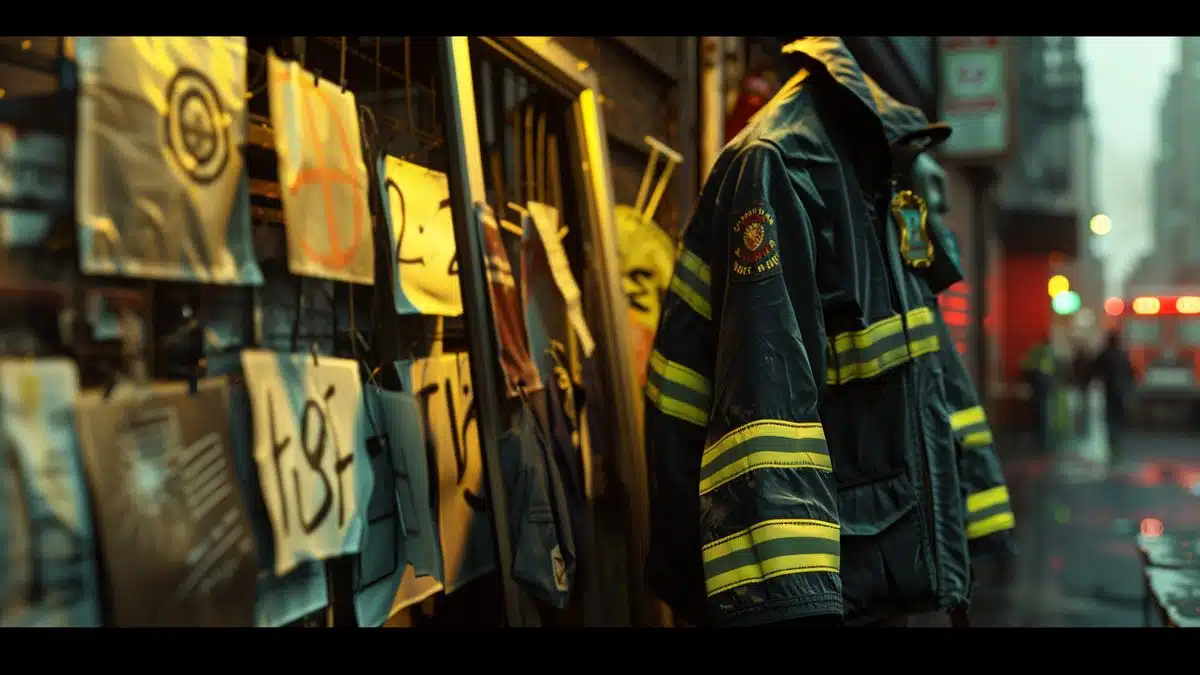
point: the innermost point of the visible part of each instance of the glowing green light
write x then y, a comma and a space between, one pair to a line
1067, 302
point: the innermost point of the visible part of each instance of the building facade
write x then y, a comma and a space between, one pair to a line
1046, 198
1175, 249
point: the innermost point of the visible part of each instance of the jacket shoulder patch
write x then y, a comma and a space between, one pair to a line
755, 246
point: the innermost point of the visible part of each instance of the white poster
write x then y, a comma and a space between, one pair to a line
442, 385
310, 448
160, 176
322, 176
417, 203
545, 221
48, 571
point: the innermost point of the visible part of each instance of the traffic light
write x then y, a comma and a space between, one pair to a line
1066, 302
1057, 284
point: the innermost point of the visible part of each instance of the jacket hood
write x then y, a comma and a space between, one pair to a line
902, 124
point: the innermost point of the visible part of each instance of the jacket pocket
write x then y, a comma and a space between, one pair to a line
882, 565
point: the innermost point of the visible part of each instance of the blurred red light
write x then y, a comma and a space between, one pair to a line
1152, 527
1114, 306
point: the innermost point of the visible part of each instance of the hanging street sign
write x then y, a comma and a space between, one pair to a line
976, 97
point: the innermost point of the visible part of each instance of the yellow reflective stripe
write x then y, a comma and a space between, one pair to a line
677, 390
987, 499
964, 418
679, 373
770, 549
691, 282
991, 525
978, 439
764, 444
676, 408
882, 346
862, 339
692, 297
695, 265
757, 429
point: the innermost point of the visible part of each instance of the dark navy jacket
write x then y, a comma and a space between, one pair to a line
788, 421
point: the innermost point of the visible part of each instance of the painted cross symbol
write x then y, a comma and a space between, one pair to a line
340, 254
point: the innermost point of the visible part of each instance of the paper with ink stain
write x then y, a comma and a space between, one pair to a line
162, 187
310, 447
443, 388
507, 317
177, 545
48, 574
417, 205
322, 176
545, 221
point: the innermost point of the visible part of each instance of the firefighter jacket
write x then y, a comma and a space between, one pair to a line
786, 425
988, 514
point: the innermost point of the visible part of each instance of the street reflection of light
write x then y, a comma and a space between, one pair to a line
1152, 527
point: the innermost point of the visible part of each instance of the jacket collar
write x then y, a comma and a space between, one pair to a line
902, 124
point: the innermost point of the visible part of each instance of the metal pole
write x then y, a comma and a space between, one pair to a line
465, 173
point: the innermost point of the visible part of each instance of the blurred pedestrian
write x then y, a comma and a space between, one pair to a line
1039, 369
1083, 376
1113, 368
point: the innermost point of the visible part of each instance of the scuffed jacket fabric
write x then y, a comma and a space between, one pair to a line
787, 448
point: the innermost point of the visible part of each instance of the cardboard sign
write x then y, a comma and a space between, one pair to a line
310, 448
442, 386
161, 184
48, 573
322, 175
545, 221
507, 317
417, 203
177, 546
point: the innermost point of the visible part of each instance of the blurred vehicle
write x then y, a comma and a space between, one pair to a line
1161, 329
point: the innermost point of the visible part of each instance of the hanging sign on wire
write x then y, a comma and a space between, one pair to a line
162, 186
322, 175
309, 444
417, 204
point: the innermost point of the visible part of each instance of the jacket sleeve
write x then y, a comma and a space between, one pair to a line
989, 516
768, 504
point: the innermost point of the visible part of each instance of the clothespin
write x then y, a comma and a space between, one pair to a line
672, 158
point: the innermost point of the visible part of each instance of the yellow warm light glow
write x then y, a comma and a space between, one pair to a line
1057, 284
1101, 225
1146, 306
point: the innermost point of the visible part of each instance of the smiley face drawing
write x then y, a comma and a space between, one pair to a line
418, 212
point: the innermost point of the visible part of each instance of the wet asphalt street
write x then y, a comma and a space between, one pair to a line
1077, 513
